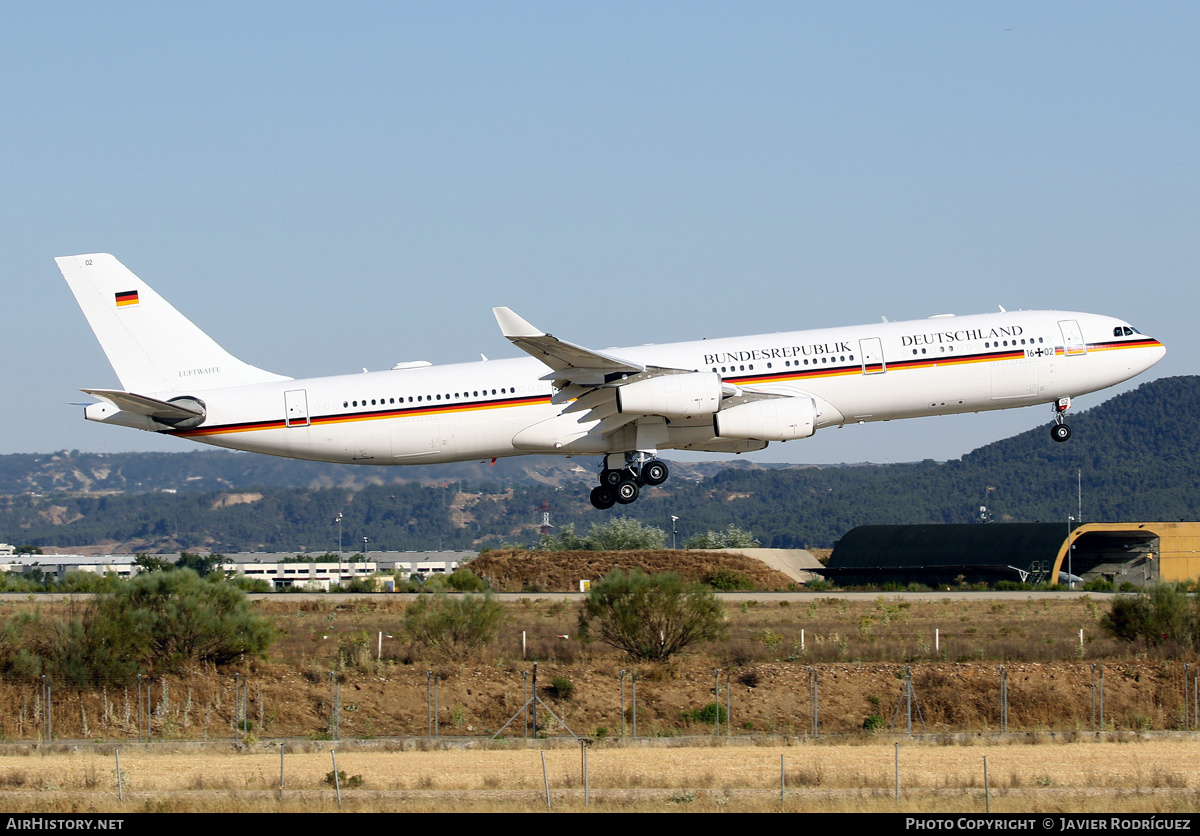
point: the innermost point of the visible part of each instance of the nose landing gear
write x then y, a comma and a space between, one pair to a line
623, 485
1059, 430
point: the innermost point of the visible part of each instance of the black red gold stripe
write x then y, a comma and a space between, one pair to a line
126, 298
371, 415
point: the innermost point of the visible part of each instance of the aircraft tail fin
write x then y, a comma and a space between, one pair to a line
152, 347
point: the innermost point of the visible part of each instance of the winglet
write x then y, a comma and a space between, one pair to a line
512, 325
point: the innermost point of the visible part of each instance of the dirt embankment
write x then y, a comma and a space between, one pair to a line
387, 699
531, 571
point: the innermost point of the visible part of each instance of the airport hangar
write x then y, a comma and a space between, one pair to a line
1140, 553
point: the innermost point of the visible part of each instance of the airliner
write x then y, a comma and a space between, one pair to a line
624, 405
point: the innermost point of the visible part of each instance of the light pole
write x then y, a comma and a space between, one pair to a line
339, 522
674, 519
1070, 548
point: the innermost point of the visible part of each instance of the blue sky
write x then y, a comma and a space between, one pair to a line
324, 187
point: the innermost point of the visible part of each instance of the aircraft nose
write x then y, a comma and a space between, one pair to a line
1153, 352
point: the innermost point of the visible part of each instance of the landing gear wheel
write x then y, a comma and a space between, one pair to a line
654, 473
1060, 432
603, 497
627, 491
611, 478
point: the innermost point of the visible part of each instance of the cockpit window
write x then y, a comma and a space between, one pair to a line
1125, 331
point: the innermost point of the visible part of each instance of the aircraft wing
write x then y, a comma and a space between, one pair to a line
569, 362
588, 379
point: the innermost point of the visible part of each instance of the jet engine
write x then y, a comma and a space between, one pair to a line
777, 419
672, 395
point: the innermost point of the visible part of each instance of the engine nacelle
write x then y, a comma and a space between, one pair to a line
777, 419
672, 395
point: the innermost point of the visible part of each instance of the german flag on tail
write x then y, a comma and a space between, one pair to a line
126, 298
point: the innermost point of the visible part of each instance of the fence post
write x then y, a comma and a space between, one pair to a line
812, 701
633, 680
782, 784
987, 797
1003, 700
897, 773
337, 782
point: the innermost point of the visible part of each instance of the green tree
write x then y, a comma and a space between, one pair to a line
731, 538
151, 563
650, 617
202, 566
453, 626
618, 534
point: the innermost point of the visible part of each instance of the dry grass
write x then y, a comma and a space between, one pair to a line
1134, 775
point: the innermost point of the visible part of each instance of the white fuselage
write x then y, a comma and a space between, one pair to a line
935, 366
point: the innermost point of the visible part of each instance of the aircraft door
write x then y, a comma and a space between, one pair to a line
295, 405
1072, 338
872, 355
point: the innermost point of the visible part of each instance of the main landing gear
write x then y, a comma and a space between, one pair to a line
623, 485
1059, 430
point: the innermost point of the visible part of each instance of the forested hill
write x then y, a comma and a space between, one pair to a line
1137, 456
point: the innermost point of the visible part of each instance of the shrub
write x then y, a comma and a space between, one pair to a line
169, 618
727, 580
873, 723
562, 687
452, 627
1164, 614
464, 580
255, 585
80, 652
650, 617
340, 780
159, 620
711, 714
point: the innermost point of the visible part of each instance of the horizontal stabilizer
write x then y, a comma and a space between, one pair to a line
164, 411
